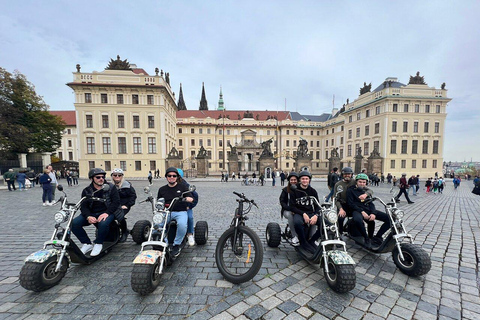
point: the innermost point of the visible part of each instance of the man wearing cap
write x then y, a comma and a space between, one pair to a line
403, 189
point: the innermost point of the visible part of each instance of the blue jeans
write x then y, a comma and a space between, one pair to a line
182, 219
47, 193
190, 221
21, 184
414, 190
330, 194
103, 227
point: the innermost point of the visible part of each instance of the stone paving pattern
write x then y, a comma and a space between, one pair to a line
446, 225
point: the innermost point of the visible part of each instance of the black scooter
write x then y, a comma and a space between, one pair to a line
46, 268
409, 257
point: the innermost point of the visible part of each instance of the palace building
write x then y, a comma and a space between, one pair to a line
129, 119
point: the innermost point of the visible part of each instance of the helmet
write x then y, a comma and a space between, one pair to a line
404, 174
361, 176
117, 171
292, 174
171, 169
304, 173
96, 171
347, 170
180, 172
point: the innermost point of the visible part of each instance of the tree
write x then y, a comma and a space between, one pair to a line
25, 123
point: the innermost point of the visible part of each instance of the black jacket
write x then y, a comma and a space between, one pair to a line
95, 208
355, 204
127, 195
285, 200
300, 203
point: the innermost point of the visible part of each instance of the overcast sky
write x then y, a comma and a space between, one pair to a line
262, 53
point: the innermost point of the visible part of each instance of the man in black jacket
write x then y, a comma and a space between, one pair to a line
96, 212
361, 211
305, 211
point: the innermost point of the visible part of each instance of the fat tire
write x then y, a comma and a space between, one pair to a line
344, 277
421, 263
139, 234
201, 232
273, 235
257, 264
144, 280
32, 275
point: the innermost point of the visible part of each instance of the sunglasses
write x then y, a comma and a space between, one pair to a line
171, 176
99, 177
117, 175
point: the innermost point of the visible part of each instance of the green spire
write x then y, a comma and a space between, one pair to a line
221, 105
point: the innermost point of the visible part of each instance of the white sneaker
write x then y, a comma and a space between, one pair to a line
295, 242
44, 204
86, 248
191, 240
97, 248
50, 204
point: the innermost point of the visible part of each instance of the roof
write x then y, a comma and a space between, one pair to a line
140, 71
394, 84
234, 114
321, 118
67, 116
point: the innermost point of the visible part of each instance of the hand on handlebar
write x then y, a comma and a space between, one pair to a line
188, 199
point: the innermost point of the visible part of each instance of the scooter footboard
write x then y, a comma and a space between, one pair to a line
340, 257
147, 257
42, 255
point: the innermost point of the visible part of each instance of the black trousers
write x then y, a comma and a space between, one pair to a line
379, 215
403, 191
302, 230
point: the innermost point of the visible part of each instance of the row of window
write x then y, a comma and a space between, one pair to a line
426, 126
70, 155
121, 145
404, 146
274, 132
120, 121
120, 100
395, 108
403, 164
123, 165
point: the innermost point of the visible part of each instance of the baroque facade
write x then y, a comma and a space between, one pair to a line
125, 118
129, 119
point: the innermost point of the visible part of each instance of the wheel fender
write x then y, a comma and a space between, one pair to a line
340, 257
42, 255
147, 257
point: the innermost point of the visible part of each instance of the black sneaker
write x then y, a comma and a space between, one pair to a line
175, 251
368, 243
124, 236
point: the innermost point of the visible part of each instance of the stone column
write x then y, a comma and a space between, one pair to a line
265, 162
202, 167
233, 163
22, 158
375, 163
334, 162
358, 163
46, 160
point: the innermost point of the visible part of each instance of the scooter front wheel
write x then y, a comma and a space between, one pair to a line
340, 277
239, 260
416, 260
145, 277
42, 276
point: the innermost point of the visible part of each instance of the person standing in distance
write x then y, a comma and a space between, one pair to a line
53, 183
179, 213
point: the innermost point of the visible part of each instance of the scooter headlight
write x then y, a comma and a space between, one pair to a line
158, 218
399, 214
60, 216
332, 217
160, 205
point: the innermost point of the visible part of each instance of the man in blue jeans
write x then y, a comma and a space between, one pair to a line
174, 188
96, 212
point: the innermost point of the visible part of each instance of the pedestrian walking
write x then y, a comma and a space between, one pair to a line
456, 182
394, 180
412, 185
53, 183
223, 177
10, 177
273, 179
68, 176
403, 189
150, 177
75, 178
476, 187
282, 178
31, 176
21, 177
428, 184
332, 179
233, 176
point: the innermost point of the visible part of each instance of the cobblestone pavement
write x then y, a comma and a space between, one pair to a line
446, 225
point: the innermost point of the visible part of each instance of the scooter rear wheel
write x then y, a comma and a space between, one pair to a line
340, 277
145, 277
42, 276
140, 231
201, 232
273, 234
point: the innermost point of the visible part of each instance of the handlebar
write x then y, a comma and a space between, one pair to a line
245, 199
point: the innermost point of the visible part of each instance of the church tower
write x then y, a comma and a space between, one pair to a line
181, 104
203, 101
221, 105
